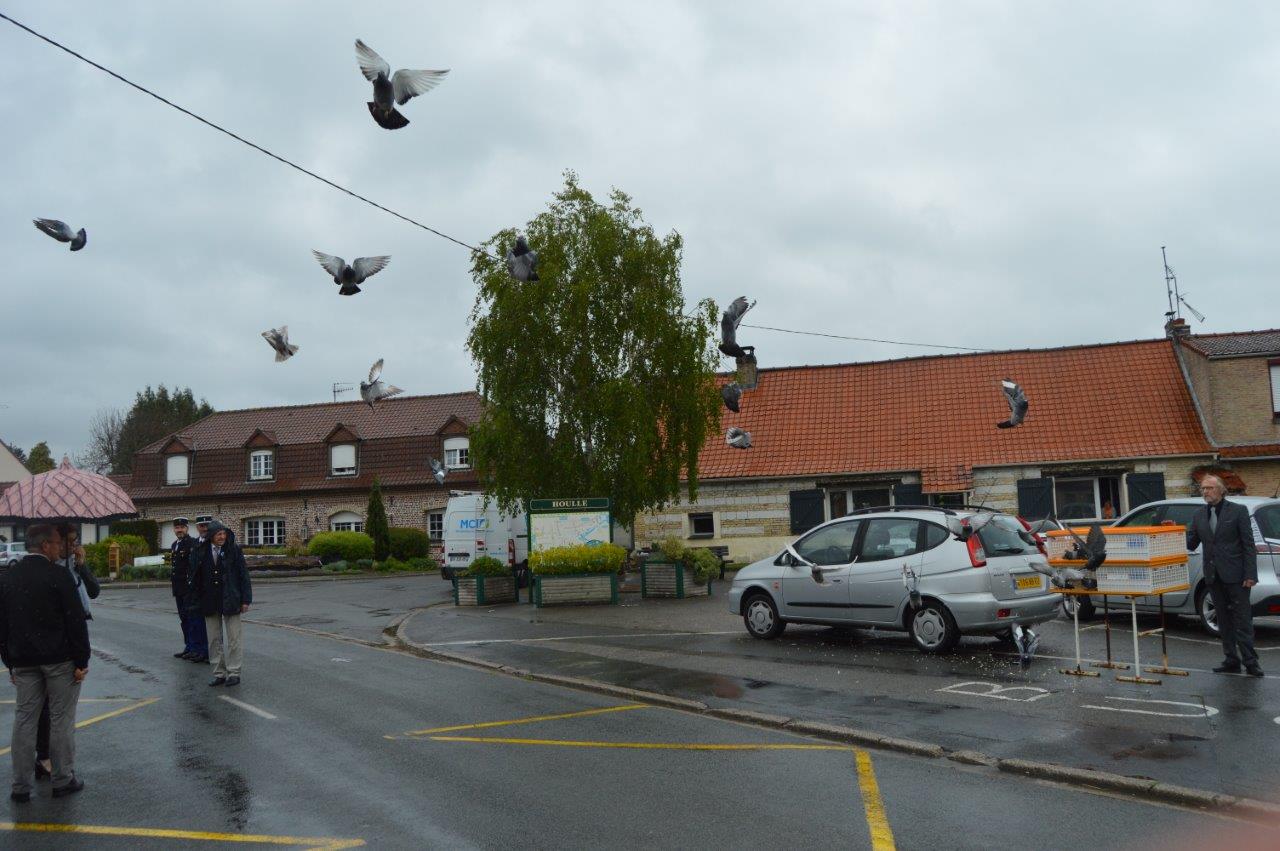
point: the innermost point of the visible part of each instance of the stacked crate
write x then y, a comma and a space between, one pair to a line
1140, 559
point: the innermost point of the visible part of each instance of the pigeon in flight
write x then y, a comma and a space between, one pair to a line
278, 339
349, 277
1061, 577
729, 323
732, 395
1017, 403
391, 90
738, 438
522, 261
1027, 642
1092, 551
965, 528
374, 389
62, 232
439, 470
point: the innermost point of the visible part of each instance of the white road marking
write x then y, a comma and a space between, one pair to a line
995, 691
573, 638
339, 659
1083, 659
262, 713
1202, 711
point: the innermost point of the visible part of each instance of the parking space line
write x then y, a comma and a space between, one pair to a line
146, 701
531, 720
873, 804
248, 707
318, 843
659, 746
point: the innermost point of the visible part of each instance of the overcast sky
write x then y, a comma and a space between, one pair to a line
997, 175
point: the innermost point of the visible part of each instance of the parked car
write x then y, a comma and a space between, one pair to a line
12, 553
980, 587
1196, 601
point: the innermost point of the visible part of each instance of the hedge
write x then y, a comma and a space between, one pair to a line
408, 542
145, 572
487, 566
704, 563
347, 546
604, 558
148, 530
131, 546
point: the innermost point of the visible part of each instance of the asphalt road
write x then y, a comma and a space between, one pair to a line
330, 741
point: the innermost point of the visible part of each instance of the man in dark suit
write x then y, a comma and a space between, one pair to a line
182, 551
1230, 560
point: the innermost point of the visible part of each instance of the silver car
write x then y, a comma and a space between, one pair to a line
983, 586
12, 553
1265, 596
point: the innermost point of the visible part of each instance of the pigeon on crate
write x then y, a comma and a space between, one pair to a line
732, 395
375, 389
729, 322
391, 90
439, 470
349, 276
1027, 642
278, 339
62, 232
522, 261
738, 438
1017, 403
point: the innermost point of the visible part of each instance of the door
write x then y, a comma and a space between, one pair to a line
887, 544
831, 549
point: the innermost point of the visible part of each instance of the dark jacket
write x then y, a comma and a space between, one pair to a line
41, 619
222, 587
1230, 554
180, 554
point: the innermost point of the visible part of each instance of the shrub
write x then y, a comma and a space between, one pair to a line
145, 572
560, 561
364, 564
266, 551
704, 564
424, 564
375, 523
487, 566
148, 530
671, 550
347, 546
335, 567
131, 546
408, 542
395, 565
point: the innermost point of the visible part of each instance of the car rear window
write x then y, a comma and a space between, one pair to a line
1005, 536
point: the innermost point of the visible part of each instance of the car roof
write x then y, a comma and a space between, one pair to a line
1252, 502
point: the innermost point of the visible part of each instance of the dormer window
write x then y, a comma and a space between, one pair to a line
342, 459
262, 464
457, 453
177, 470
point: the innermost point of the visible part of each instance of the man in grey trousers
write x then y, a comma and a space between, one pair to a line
1230, 560
45, 645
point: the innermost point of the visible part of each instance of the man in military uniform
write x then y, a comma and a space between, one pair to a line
194, 637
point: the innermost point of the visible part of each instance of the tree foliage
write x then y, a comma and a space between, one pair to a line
376, 525
40, 460
18, 452
155, 413
595, 382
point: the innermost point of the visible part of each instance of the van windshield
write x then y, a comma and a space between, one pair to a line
1004, 536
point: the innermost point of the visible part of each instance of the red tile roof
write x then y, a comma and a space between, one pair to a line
1236, 344
1265, 450
937, 414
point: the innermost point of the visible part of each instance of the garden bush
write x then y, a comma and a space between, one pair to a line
670, 550
704, 564
147, 530
338, 566
364, 564
131, 546
347, 546
487, 566
408, 542
561, 561
424, 564
145, 572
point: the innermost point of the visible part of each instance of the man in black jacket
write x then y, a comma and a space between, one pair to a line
45, 645
181, 554
1230, 560
221, 579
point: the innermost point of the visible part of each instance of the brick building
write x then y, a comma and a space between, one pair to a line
279, 475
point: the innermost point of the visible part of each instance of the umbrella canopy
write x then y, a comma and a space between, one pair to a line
68, 494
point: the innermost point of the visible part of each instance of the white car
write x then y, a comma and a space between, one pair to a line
12, 553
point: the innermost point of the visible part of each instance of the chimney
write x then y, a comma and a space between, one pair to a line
1177, 328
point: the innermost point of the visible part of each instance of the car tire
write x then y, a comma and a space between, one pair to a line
760, 616
1205, 609
933, 629
1088, 611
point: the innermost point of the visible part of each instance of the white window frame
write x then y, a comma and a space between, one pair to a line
186, 470
1273, 369
457, 453
346, 524
268, 471
848, 498
256, 528
1116, 510
435, 525
334, 469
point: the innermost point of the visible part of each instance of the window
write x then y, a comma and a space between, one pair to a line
889, 537
946, 500
435, 525
702, 525
346, 521
846, 501
342, 459
262, 464
177, 470
934, 535
1143, 517
1004, 536
1087, 499
457, 453
830, 545
264, 532
1275, 388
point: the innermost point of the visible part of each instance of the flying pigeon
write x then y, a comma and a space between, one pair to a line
373, 389
964, 529
1061, 577
1092, 551
278, 339
439, 470
1017, 403
522, 261
912, 583
1027, 641
62, 232
732, 395
729, 323
350, 276
390, 90
738, 438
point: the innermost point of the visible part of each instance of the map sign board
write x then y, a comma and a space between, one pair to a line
569, 523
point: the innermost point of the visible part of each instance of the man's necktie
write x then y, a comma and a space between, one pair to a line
1213, 519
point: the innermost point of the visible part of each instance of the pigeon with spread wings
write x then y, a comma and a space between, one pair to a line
729, 322
439, 471
278, 339
522, 261
392, 90
62, 232
1017, 403
375, 388
349, 276
738, 438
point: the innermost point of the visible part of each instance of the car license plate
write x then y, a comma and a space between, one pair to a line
1026, 583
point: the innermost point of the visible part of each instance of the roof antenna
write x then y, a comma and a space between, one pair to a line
1176, 301
341, 387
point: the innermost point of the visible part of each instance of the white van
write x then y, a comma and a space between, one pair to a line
473, 529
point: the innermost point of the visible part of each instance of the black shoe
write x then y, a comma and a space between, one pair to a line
70, 789
203, 660
20, 797
181, 655
217, 681
1227, 669
42, 773
234, 680
1254, 671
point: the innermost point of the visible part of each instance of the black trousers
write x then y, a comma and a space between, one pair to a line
1235, 622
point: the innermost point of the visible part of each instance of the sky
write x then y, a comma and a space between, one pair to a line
986, 175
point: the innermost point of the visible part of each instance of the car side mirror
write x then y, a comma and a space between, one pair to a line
796, 559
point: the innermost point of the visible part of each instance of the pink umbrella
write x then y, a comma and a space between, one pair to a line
66, 495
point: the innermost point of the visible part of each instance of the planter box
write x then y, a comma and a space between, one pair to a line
575, 589
483, 590
664, 579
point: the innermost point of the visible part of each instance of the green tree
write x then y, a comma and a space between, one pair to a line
376, 525
18, 452
40, 460
595, 382
155, 413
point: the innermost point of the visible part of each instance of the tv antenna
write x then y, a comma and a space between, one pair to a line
1176, 301
341, 387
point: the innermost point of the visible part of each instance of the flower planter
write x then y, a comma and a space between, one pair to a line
664, 579
575, 589
483, 590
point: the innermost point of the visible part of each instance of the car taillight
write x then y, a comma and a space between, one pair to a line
1273, 549
977, 555
1035, 537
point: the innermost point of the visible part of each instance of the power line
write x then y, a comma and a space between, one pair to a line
866, 339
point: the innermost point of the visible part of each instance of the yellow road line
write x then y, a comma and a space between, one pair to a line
92, 700
324, 843
532, 720
663, 746
146, 701
877, 821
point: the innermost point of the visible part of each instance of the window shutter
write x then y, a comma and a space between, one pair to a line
343, 456
905, 494
806, 510
1035, 498
1144, 488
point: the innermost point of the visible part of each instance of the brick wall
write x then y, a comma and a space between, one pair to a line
1261, 478
1235, 394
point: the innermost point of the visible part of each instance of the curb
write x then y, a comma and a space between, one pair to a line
283, 580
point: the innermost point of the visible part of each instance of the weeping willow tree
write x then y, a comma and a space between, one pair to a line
595, 381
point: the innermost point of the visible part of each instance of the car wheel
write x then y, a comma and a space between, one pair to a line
1207, 611
1070, 602
761, 617
933, 629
